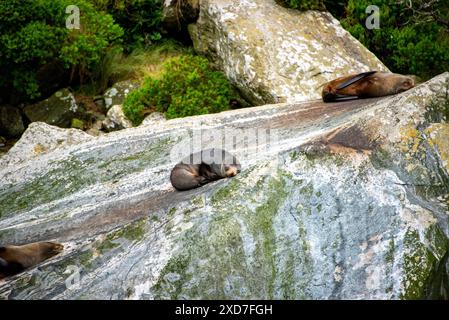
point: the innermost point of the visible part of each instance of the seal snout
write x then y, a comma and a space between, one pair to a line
58, 248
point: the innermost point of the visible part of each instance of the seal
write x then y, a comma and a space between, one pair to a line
203, 167
366, 85
15, 259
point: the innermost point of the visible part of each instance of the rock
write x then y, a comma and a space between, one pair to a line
178, 14
11, 123
39, 139
116, 120
118, 92
343, 201
95, 129
153, 118
58, 110
285, 60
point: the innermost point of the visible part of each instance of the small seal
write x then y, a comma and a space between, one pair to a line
203, 167
15, 259
366, 85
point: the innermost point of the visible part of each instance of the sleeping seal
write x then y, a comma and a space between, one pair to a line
203, 167
366, 85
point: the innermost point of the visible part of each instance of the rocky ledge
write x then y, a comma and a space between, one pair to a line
335, 201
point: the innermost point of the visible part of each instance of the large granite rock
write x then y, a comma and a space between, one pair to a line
274, 54
343, 201
57, 110
41, 138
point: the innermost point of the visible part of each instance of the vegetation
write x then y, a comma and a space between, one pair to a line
141, 20
140, 63
409, 40
186, 86
33, 37
303, 4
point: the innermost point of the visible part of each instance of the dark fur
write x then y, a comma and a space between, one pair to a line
188, 175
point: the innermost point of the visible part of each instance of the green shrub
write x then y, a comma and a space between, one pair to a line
141, 20
403, 43
186, 87
33, 35
303, 4
139, 64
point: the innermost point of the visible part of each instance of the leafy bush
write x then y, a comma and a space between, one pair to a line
303, 4
405, 44
186, 87
33, 35
141, 20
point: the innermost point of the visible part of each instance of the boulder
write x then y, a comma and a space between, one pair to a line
11, 123
39, 139
285, 60
153, 118
118, 92
116, 120
335, 201
58, 110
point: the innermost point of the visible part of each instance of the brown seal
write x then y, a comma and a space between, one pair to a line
15, 259
203, 167
366, 85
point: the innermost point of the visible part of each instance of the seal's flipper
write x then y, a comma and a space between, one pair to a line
337, 97
354, 79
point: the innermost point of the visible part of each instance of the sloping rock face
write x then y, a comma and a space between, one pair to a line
335, 201
285, 60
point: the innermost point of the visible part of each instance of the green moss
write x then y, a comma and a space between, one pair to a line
420, 265
389, 255
198, 201
77, 124
176, 266
307, 191
287, 287
72, 175
106, 245
132, 232
214, 249
294, 155
225, 192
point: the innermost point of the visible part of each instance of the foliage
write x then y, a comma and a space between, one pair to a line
141, 20
187, 86
402, 43
33, 35
139, 64
303, 4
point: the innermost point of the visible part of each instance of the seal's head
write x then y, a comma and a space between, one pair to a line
405, 83
232, 170
51, 248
